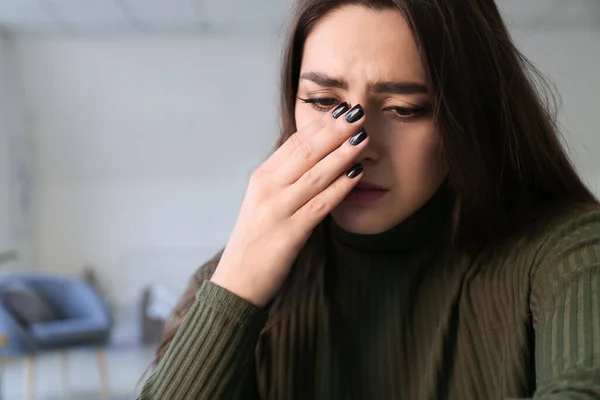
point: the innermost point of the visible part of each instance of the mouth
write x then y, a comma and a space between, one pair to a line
366, 192
365, 185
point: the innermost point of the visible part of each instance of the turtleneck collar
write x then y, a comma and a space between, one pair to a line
420, 228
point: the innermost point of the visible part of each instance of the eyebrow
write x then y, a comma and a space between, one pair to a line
325, 80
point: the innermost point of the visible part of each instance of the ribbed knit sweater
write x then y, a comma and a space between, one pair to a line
408, 317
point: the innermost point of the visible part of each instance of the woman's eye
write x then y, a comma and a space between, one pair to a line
406, 113
321, 103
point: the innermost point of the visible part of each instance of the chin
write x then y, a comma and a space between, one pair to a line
363, 222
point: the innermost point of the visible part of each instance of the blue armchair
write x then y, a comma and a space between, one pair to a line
82, 318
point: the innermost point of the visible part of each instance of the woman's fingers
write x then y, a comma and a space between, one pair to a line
313, 143
319, 177
282, 154
317, 208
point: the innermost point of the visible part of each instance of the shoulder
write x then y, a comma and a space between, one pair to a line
573, 221
567, 250
568, 232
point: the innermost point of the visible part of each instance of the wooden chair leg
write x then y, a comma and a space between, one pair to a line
1, 379
30, 378
64, 367
102, 371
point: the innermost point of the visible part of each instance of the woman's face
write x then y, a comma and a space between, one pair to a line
370, 58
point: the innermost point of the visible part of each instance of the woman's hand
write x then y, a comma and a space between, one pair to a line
288, 195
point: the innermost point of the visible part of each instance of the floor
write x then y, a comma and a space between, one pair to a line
125, 367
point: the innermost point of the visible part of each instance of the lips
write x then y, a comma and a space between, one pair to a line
366, 192
362, 185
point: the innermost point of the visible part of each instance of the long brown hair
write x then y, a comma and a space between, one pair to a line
494, 115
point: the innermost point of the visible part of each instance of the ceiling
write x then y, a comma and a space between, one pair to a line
147, 16
108, 16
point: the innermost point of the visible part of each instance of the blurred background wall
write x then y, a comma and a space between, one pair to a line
143, 147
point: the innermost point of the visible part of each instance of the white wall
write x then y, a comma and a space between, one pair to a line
144, 146
570, 57
143, 149
15, 168
5, 241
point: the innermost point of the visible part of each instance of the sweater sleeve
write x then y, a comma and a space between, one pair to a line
212, 354
565, 302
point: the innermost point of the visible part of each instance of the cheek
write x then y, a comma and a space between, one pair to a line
417, 159
304, 115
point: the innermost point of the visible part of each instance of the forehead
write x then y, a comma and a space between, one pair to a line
361, 44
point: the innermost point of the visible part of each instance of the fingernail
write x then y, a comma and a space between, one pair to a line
354, 171
358, 137
340, 110
354, 114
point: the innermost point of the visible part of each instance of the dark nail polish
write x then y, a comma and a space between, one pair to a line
354, 114
358, 137
354, 171
340, 110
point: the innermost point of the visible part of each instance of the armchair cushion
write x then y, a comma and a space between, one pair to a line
69, 332
27, 306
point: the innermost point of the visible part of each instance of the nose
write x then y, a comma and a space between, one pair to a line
372, 152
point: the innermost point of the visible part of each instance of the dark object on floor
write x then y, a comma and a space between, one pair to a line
152, 328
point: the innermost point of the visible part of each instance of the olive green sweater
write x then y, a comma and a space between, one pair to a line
407, 318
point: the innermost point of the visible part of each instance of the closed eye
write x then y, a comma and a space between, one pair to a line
321, 103
406, 113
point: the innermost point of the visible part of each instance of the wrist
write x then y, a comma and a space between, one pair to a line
241, 291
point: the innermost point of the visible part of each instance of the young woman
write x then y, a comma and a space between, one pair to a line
418, 234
